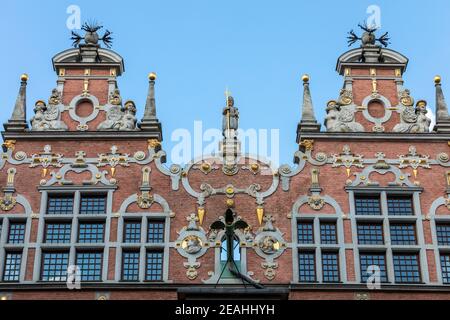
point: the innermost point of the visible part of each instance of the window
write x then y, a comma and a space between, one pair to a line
91, 232
445, 267
93, 204
406, 268
372, 259
154, 266
328, 233
16, 233
54, 266
305, 232
155, 231
130, 265
443, 234
132, 232
13, 261
1, 226
400, 205
60, 204
306, 267
367, 205
370, 233
58, 232
403, 234
330, 267
90, 264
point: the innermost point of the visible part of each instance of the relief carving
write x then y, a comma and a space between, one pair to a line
414, 120
341, 118
47, 117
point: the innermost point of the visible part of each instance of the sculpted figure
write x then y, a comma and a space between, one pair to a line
38, 122
113, 119
341, 119
129, 120
230, 120
47, 118
422, 120
414, 120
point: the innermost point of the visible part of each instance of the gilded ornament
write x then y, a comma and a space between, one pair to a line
308, 144
254, 167
192, 244
153, 143
145, 200
345, 97
7, 202
316, 202
9, 144
406, 99
269, 245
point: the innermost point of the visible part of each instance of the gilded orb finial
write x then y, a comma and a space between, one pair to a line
305, 78
437, 79
152, 76
24, 77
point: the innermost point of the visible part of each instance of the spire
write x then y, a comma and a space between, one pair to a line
308, 123
18, 120
150, 122
442, 116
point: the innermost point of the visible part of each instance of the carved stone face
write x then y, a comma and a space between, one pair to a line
230, 101
40, 107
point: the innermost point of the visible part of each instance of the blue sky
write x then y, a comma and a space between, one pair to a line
259, 49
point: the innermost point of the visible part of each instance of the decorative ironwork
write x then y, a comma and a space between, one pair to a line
91, 36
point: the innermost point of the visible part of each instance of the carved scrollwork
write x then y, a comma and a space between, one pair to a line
413, 159
269, 269
191, 267
345, 97
405, 98
347, 159
46, 158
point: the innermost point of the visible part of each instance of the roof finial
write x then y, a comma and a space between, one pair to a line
368, 38
18, 120
308, 121
91, 36
150, 122
442, 116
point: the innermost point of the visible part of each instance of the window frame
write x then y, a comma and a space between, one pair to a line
387, 248
318, 247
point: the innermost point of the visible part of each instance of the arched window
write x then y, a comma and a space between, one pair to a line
224, 256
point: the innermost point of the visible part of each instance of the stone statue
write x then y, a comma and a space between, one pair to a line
119, 118
129, 120
230, 121
341, 119
47, 118
422, 120
414, 120
113, 119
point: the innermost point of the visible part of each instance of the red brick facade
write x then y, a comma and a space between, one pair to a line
282, 192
